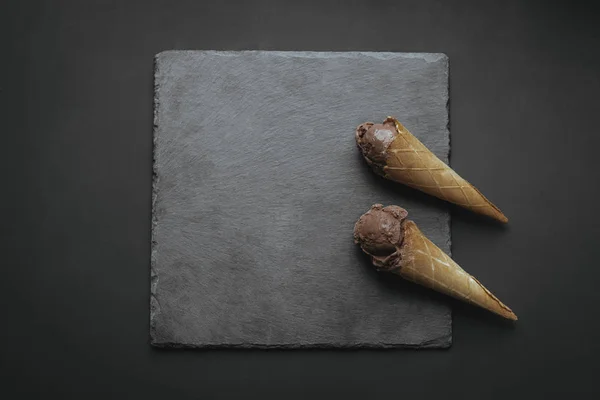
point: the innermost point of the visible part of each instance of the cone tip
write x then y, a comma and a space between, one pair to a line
507, 313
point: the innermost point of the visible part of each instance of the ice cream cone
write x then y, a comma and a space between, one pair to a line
398, 155
397, 245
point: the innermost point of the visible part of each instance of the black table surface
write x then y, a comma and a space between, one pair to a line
76, 105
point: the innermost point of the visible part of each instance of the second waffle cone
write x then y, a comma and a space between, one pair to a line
423, 263
396, 245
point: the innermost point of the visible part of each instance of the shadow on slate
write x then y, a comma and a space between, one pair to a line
257, 186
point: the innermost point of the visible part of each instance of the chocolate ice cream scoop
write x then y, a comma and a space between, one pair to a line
373, 141
379, 233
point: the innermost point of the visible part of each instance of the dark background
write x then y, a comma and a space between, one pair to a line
76, 124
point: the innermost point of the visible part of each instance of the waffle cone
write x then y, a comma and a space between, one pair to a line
409, 162
422, 262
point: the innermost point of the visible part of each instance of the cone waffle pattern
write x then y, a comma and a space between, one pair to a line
422, 262
411, 163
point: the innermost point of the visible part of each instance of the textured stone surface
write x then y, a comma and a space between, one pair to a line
258, 184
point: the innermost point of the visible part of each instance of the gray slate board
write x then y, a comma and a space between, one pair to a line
258, 184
